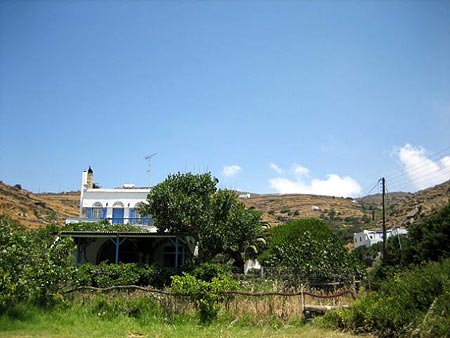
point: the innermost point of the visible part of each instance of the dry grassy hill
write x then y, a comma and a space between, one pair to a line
35, 210
402, 208
278, 209
348, 215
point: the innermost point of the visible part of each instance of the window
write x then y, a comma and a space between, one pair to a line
97, 210
170, 255
138, 218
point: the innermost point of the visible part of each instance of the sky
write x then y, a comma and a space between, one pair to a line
321, 97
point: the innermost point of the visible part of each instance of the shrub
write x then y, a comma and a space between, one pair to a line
35, 265
309, 246
206, 296
207, 271
285, 210
416, 300
107, 275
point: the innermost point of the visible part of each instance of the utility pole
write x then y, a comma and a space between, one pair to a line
383, 183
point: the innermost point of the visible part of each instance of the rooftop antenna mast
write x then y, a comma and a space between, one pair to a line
149, 159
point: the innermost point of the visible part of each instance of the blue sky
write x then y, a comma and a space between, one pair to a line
270, 96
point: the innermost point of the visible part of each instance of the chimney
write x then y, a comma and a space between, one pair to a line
90, 178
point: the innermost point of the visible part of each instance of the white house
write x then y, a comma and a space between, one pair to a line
370, 237
118, 205
121, 206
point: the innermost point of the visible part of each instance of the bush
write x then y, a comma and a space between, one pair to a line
107, 275
206, 296
285, 210
207, 271
119, 304
416, 301
35, 265
310, 247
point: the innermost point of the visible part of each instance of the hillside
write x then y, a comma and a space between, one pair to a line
345, 214
278, 209
35, 210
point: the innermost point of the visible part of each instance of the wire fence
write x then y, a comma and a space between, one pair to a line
260, 305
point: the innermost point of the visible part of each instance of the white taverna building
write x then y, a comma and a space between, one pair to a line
118, 205
370, 237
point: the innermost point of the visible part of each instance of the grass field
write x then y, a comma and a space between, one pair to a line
28, 321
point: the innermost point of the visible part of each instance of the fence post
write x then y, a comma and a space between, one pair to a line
302, 299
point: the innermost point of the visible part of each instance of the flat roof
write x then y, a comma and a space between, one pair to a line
115, 234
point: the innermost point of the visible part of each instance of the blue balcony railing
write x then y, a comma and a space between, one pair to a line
144, 221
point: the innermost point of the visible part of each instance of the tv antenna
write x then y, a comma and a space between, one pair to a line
149, 159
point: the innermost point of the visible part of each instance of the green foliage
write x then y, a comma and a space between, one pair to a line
205, 295
430, 238
109, 307
104, 225
232, 228
426, 241
285, 210
413, 301
107, 275
309, 246
217, 220
207, 271
34, 265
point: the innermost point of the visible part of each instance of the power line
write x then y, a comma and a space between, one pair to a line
372, 189
421, 177
418, 165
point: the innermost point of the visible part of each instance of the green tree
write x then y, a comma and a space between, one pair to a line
309, 246
430, 237
191, 204
34, 264
233, 226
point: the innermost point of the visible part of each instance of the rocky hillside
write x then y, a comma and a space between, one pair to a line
278, 209
35, 210
404, 209
346, 214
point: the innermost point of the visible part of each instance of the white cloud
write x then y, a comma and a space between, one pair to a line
299, 170
420, 169
231, 170
276, 168
332, 185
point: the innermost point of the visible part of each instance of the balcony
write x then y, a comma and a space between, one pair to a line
137, 221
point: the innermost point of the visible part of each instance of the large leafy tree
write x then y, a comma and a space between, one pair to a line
35, 265
191, 204
308, 246
430, 238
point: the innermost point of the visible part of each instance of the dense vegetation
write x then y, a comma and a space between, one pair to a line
34, 265
216, 219
407, 293
310, 248
412, 283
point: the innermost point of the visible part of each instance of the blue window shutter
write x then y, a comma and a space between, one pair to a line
89, 213
117, 217
104, 213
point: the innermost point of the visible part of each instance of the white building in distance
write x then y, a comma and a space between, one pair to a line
370, 237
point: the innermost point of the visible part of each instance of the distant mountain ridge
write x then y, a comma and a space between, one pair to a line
35, 210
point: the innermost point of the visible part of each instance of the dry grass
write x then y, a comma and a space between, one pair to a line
277, 207
35, 210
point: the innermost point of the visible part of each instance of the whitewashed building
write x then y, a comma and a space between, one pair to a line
370, 237
121, 206
118, 205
